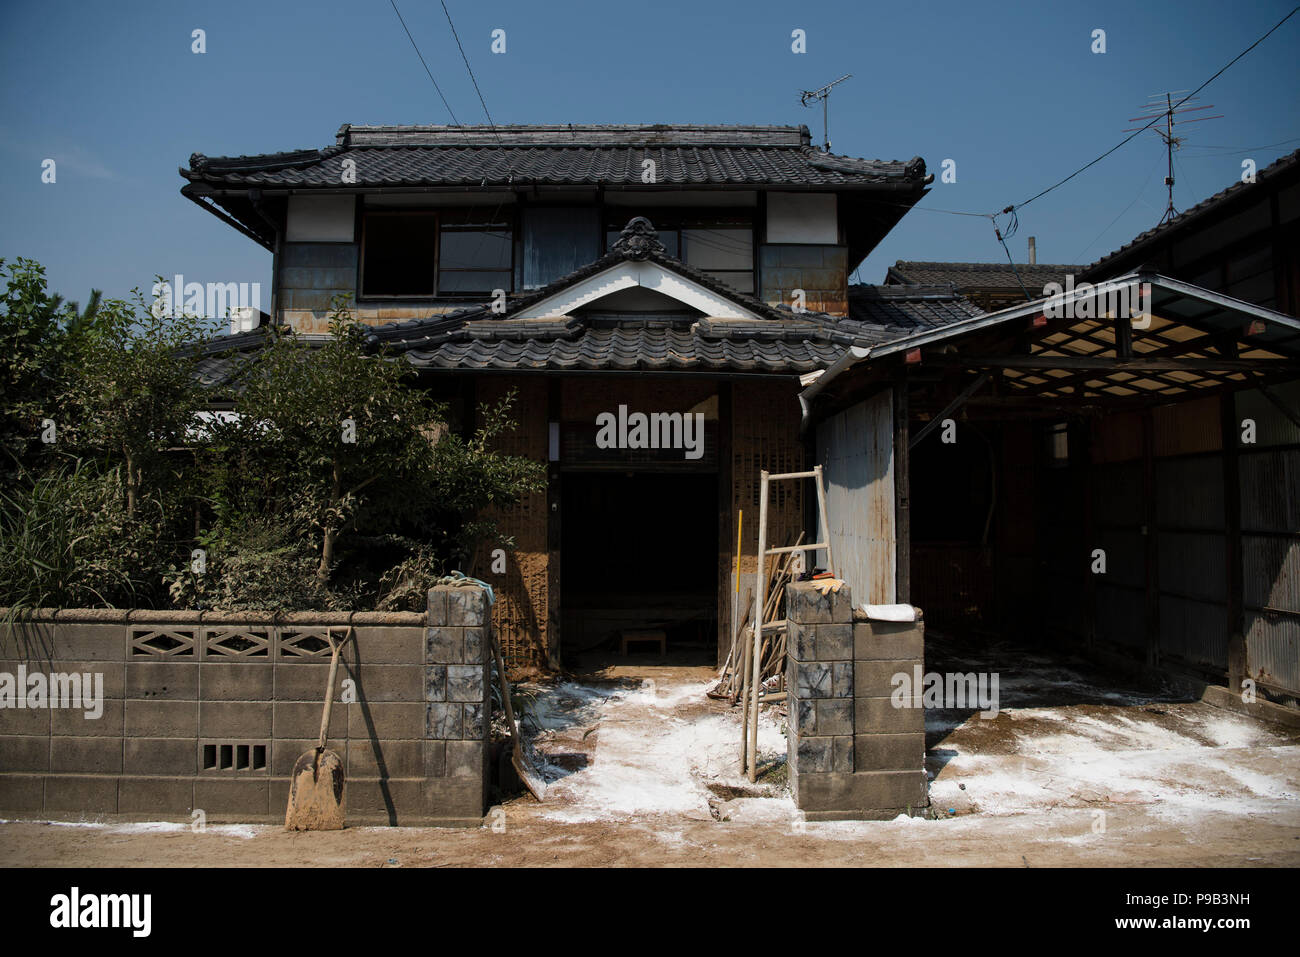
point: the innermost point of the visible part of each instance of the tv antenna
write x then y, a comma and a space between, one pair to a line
823, 94
1156, 110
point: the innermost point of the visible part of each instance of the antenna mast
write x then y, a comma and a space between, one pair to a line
1167, 110
824, 94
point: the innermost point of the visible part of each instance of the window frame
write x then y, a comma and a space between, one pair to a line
362, 294
441, 216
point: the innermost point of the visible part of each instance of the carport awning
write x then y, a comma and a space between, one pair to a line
1137, 337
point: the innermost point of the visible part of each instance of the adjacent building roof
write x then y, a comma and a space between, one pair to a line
1131, 254
605, 155
972, 276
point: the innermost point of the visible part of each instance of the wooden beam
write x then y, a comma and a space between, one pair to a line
1104, 364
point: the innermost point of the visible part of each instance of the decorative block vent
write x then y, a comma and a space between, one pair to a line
162, 643
308, 642
237, 643
234, 757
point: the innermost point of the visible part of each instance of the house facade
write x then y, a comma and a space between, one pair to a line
651, 294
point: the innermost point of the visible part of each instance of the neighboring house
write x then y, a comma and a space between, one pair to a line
1242, 241
692, 272
1097, 480
989, 285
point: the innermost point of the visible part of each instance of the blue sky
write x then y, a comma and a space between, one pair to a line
1011, 92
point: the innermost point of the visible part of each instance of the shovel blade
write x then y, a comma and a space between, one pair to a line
317, 792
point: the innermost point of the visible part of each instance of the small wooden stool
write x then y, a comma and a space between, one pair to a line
658, 637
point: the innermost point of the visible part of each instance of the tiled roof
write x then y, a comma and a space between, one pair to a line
774, 340
1287, 164
963, 276
559, 155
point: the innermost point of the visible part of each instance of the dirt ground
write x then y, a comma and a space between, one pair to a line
1076, 769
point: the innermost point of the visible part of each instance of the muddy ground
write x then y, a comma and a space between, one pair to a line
1077, 768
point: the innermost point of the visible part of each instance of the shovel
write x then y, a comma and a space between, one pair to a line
316, 791
523, 767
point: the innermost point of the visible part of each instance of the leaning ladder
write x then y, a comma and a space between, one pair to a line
749, 737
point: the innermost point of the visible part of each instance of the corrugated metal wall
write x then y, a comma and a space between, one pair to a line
1270, 531
855, 450
1190, 575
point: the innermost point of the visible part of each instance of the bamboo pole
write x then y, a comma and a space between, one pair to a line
760, 607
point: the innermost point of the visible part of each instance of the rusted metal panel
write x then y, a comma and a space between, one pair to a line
855, 449
1273, 650
1272, 572
1187, 427
1117, 438
1270, 518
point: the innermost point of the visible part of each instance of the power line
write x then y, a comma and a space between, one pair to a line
1138, 132
471, 73
455, 122
1142, 190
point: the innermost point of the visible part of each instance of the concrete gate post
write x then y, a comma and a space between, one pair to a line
457, 700
853, 754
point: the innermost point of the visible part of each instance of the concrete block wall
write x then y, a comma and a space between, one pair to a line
458, 698
208, 711
852, 754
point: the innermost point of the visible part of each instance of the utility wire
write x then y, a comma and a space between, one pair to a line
1156, 119
483, 102
454, 121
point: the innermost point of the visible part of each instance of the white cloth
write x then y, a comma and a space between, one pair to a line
890, 612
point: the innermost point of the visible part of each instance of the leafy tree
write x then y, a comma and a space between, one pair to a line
342, 422
31, 361
133, 394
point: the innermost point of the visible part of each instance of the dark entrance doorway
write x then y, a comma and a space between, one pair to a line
639, 553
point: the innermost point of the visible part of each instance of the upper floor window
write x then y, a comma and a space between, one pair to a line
720, 246
398, 254
412, 254
474, 257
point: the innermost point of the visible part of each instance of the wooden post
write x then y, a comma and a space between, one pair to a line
902, 498
1238, 664
825, 519
760, 591
1152, 541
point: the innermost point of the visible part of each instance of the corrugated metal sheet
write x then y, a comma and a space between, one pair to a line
1271, 426
1270, 503
1193, 564
1272, 572
1121, 616
1190, 492
855, 449
1194, 631
1269, 498
1125, 556
1117, 494
1273, 650
1187, 427
1117, 438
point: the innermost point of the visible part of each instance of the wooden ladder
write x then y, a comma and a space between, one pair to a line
749, 736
